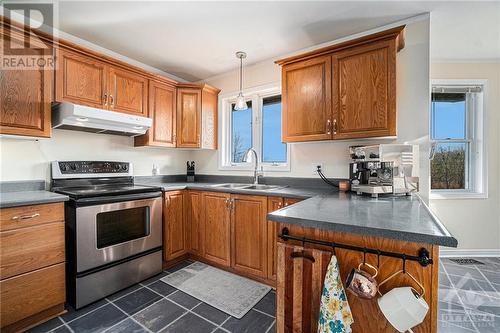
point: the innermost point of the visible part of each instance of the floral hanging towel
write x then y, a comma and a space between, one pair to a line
334, 314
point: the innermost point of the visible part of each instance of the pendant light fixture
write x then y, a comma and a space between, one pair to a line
241, 104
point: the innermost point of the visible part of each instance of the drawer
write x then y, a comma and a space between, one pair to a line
28, 294
26, 249
26, 216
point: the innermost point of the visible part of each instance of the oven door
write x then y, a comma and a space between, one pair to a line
111, 232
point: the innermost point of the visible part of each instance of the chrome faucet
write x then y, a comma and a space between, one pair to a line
256, 174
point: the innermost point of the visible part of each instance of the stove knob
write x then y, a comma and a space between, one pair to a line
63, 167
125, 167
73, 166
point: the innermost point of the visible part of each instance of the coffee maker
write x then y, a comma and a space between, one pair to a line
384, 169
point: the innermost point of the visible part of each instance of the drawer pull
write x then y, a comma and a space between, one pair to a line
25, 217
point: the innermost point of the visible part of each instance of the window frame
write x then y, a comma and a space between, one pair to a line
256, 95
475, 138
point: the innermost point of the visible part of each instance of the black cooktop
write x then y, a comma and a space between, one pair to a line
78, 192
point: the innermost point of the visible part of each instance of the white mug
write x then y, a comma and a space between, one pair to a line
403, 307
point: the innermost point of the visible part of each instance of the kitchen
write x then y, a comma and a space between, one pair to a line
123, 216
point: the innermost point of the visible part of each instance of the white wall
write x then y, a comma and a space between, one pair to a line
22, 159
412, 103
476, 222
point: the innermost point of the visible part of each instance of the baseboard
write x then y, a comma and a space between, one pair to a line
446, 252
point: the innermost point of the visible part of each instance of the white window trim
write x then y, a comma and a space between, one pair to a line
479, 172
255, 94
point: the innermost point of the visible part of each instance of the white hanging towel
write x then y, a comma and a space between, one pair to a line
334, 313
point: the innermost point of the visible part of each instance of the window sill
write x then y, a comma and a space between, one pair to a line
457, 195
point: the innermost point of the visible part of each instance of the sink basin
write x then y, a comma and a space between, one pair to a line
262, 187
232, 185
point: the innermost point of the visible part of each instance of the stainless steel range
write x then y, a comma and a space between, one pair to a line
113, 228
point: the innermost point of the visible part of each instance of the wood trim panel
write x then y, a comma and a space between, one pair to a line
28, 294
249, 234
273, 203
195, 225
364, 310
27, 249
20, 217
397, 33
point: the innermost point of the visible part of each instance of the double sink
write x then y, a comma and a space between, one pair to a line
256, 187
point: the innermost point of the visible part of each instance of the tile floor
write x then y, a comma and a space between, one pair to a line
469, 301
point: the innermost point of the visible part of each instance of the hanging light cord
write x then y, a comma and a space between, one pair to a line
241, 73
320, 173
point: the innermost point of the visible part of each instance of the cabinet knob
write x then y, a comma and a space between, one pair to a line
111, 100
105, 99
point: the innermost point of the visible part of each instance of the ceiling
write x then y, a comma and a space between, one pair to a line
197, 40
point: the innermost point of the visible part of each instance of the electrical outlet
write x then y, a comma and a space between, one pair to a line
314, 168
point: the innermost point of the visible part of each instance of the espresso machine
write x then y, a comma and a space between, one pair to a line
384, 169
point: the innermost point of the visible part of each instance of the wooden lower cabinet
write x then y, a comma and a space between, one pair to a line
194, 202
32, 265
174, 225
217, 228
248, 234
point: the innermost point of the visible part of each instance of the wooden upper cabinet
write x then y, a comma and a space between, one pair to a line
25, 97
306, 100
343, 91
81, 80
217, 228
162, 109
209, 109
249, 234
188, 117
364, 91
174, 228
127, 92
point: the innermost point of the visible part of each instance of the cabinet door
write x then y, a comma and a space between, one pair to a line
217, 228
162, 109
195, 226
174, 229
249, 234
364, 91
307, 111
188, 117
209, 103
128, 92
81, 80
25, 97
273, 203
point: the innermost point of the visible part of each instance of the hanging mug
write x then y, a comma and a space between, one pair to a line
361, 283
403, 307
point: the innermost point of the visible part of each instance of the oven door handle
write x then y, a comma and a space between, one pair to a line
116, 198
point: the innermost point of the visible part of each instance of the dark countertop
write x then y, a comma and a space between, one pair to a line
400, 218
24, 193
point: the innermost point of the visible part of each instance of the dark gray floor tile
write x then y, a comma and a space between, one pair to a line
267, 304
124, 292
272, 329
62, 329
480, 302
253, 321
162, 288
184, 299
467, 284
159, 315
448, 296
449, 307
47, 326
137, 300
127, 326
72, 313
99, 320
154, 278
179, 266
211, 313
444, 281
446, 327
485, 322
464, 271
493, 277
189, 323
